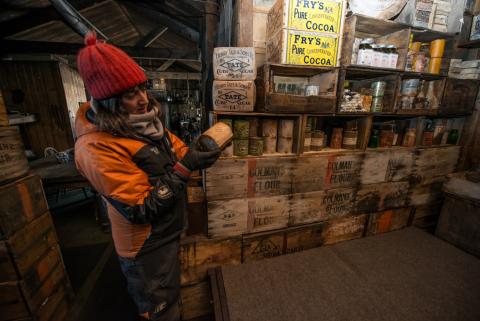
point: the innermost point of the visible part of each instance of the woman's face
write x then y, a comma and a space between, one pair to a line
135, 100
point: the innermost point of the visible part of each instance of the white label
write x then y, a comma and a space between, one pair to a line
308, 141
377, 59
385, 60
350, 141
318, 141
393, 58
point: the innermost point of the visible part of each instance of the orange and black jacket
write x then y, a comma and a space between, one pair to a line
142, 182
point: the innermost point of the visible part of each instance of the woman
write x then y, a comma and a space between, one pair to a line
141, 171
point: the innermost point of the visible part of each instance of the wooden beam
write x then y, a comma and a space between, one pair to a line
151, 36
209, 35
37, 17
165, 20
174, 75
166, 65
21, 46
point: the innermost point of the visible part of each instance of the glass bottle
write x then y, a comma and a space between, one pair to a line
384, 61
377, 56
374, 139
453, 137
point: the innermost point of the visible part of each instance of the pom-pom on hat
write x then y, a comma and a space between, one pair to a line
106, 70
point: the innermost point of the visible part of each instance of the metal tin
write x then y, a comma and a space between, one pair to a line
269, 145
240, 129
285, 128
269, 127
312, 90
377, 104
240, 147
318, 140
350, 139
253, 128
336, 139
409, 138
307, 142
227, 121
410, 87
386, 137
255, 146
427, 139
285, 145
378, 88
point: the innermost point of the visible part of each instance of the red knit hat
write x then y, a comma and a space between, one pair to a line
106, 70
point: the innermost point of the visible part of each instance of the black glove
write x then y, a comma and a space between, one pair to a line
195, 159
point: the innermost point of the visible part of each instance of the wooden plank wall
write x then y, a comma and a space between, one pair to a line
74, 91
41, 85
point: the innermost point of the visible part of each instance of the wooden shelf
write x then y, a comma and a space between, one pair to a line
470, 44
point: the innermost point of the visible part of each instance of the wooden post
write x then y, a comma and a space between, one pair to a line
209, 34
243, 23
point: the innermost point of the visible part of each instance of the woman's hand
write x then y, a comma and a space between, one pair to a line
195, 159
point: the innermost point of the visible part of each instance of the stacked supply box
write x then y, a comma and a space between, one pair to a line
234, 71
305, 32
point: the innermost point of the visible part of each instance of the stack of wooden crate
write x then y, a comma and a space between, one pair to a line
33, 281
264, 206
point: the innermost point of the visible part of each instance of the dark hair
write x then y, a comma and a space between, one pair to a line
111, 117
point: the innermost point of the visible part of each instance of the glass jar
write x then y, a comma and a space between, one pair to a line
377, 56
392, 56
365, 52
385, 55
409, 138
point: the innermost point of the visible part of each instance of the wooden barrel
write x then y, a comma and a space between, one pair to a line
13, 162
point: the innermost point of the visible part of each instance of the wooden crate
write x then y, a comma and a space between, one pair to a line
387, 165
427, 192
30, 244
435, 161
15, 307
250, 177
377, 197
303, 48
321, 206
12, 304
383, 32
3, 111
195, 301
390, 220
326, 17
13, 162
359, 78
273, 96
22, 202
248, 215
198, 254
438, 84
238, 95
325, 233
234, 63
216, 116
459, 96
263, 245
426, 216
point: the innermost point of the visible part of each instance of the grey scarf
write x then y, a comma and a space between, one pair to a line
148, 124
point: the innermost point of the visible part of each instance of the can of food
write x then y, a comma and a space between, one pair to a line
285, 145
227, 121
269, 127
410, 87
255, 146
318, 140
312, 90
350, 139
269, 145
285, 128
386, 138
377, 104
336, 139
240, 129
253, 129
307, 142
378, 88
240, 147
